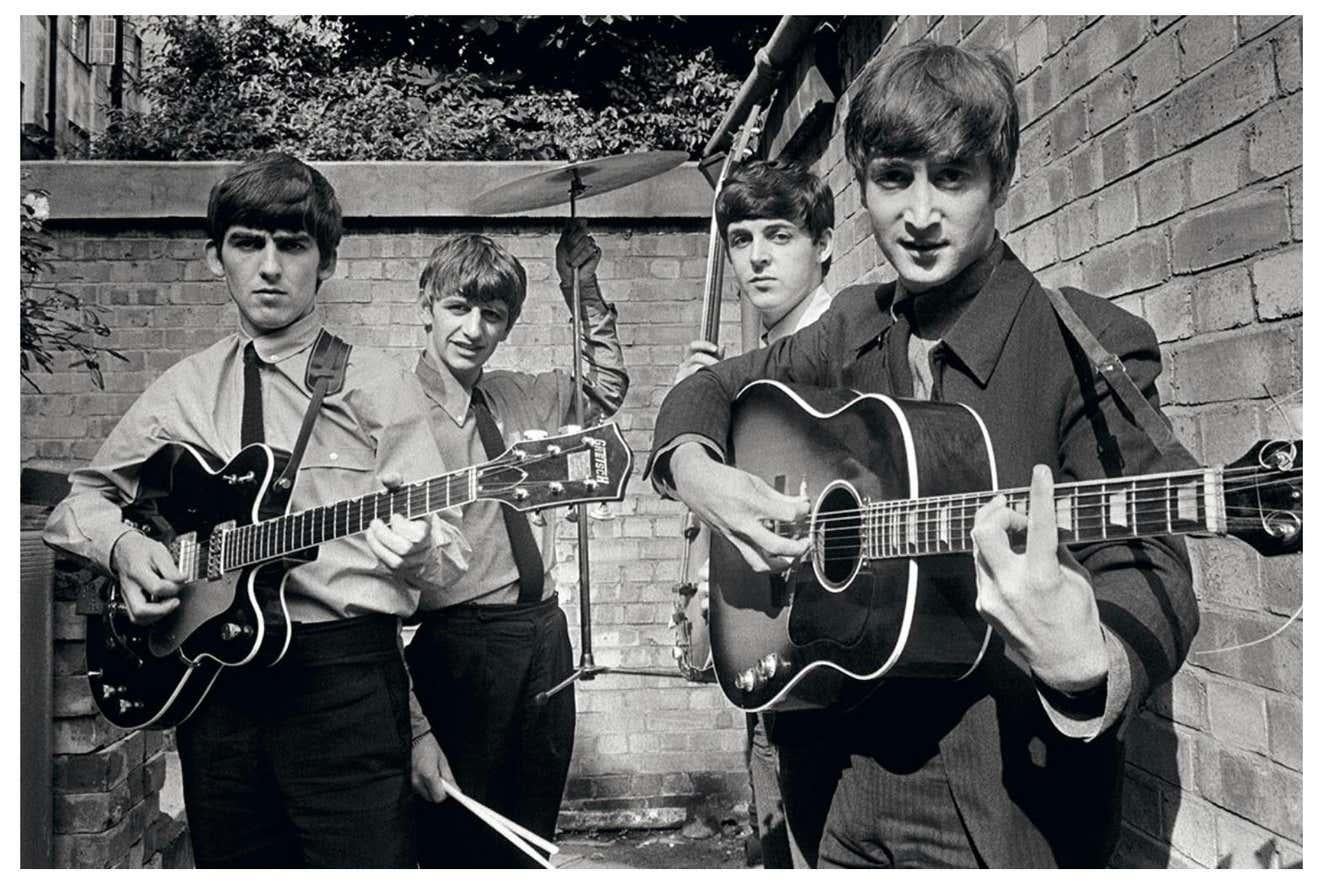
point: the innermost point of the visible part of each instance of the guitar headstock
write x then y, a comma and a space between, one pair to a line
1264, 496
551, 471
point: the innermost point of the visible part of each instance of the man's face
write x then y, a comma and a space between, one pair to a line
777, 264
463, 334
932, 218
272, 276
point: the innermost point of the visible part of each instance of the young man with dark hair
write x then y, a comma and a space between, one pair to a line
491, 641
307, 762
1020, 763
777, 223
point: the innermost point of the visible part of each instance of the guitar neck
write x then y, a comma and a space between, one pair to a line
286, 535
1179, 503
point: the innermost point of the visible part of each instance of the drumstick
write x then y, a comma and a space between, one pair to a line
504, 826
489, 813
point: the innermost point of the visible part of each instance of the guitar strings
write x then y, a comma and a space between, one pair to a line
899, 531
1146, 495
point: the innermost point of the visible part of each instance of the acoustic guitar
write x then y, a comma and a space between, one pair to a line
888, 589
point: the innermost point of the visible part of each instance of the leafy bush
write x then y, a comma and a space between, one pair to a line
51, 319
328, 89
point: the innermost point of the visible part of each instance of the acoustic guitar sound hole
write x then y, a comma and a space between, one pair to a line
837, 536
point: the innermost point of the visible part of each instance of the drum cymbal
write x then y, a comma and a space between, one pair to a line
555, 186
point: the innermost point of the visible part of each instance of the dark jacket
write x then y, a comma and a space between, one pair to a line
1029, 795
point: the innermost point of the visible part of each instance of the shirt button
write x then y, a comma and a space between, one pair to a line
334, 456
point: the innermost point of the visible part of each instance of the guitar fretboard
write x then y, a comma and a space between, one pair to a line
282, 536
1100, 510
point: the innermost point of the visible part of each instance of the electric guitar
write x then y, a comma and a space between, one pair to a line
232, 610
888, 589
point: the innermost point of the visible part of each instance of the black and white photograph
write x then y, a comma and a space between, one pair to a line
639, 441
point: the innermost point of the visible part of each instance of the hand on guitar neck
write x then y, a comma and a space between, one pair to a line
699, 354
736, 505
1039, 598
408, 548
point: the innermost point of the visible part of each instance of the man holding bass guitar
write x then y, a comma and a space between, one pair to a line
306, 762
1018, 763
776, 220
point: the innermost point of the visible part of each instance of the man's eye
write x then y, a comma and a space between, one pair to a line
892, 178
738, 241
782, 236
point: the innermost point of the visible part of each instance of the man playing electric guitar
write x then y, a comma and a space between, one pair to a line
1020, 763
307, 762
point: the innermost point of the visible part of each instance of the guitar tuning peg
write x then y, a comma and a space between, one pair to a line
602, 512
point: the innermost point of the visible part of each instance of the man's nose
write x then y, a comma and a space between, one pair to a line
471, 326
922, 209
271, 268
760, 254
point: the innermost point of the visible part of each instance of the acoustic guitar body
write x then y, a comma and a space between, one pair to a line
820, 635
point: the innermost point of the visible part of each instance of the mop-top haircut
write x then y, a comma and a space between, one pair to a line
477, 268
935, 101
277, 192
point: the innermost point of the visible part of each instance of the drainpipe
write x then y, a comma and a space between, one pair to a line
770, 62
52, 29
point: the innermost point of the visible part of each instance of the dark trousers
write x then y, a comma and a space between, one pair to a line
766, 799
476, 671
308, 762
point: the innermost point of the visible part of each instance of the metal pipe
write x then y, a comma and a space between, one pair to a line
52, 29
770, 61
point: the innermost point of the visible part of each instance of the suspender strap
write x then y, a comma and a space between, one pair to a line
326, 369
1110, 366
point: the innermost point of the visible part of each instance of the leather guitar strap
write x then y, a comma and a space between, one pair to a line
1110, 366
326, 370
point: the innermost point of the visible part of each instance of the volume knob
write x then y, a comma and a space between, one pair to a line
748, 680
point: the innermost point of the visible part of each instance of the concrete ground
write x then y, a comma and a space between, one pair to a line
652, 849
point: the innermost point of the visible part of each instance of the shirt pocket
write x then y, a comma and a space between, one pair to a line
334, 474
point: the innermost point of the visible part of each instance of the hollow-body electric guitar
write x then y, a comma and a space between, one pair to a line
888, 589
232, 610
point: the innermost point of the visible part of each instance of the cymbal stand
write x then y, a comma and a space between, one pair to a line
587, 668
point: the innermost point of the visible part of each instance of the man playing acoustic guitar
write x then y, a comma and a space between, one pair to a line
307, 762
777, 222
1019, 763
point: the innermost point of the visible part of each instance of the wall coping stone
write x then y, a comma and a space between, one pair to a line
177, 190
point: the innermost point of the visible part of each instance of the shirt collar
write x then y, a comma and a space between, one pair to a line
805, 312
980, 333
276, 346
443, 388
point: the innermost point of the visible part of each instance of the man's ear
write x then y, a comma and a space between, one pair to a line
824, 245
213, 257
426, 313
327, 267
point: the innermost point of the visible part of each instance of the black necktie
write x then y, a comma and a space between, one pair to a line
530, 568
253, 418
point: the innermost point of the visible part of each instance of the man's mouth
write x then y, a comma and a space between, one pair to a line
921, 247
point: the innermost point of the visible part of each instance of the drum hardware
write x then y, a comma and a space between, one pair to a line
577, 181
